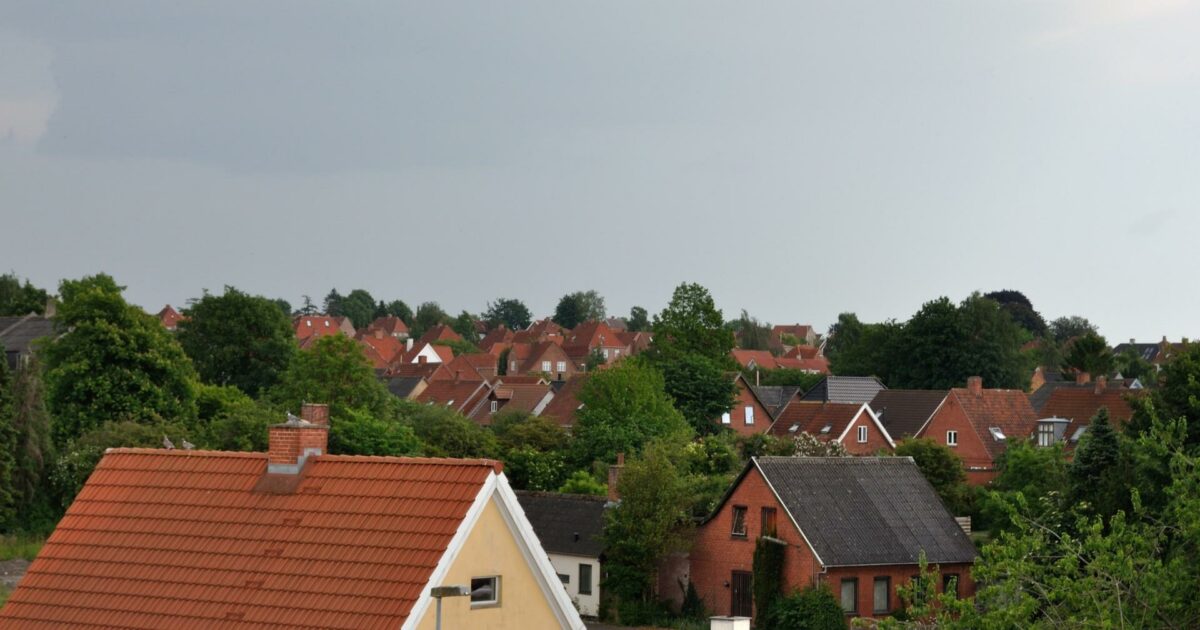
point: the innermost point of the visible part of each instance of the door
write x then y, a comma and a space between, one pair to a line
742, 594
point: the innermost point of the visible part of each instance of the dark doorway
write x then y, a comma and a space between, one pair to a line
742, 594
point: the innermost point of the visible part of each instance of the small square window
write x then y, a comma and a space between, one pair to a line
562, 366
952, 438
739, 521
485, 591
605, 353
862, 435
546, 366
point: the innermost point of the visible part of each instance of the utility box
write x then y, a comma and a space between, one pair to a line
729, 623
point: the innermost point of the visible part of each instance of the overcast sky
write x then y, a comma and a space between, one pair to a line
799, 159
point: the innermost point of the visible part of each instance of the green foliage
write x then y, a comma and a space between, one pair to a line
458, 346
764, 444
768, 580
750, 333
812, 608
112, 363
79, 456
447, 433
1020, 309
701, 388
359, 306
284, 306
1037, 473
650, 522
784, 377
858, 349
808, 445
23, 546
942, 468
1065, 328
516, 429
20, 299
534, 450
428, 315
357, 432
8, 446
624, 407
1178, 395
237, 339
578, 307
511, 312
1088, 353
502, 363
333, 371
691, 324
942, 345
229, 420
638, 321
530, 469
34, 451
307, 307
1097, 474
1130, 364
594, 360
399, 309
464, 325
582, 482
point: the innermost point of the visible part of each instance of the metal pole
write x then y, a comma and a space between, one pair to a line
439, 613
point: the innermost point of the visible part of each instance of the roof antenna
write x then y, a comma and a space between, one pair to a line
167, 444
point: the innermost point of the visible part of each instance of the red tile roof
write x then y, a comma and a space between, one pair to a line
460, 395
441, 332
174, 539
381, 351
307, 326
588, 336
1005, 409
823, 420
761, 358
390, 325
819, 365
428, 371
496, 340
1079, 405
802, 352
565, 403
524, 397
170, 317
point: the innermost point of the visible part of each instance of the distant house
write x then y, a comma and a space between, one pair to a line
977, 423
1050, 381
17, 335
855, 524
426, 352
785, 337
483, 364
754, 359
497, 340
904, 411
463, 396
636, 341
749, 415
530, 398
569, 526
308, 328
291, 538
1069, 410
591, 337
409, 380
845, 389
565, 404
854, 426
541, 330
170, 318
389, 325
776, 397
381, 349
440, 332
544, 357
1156, 353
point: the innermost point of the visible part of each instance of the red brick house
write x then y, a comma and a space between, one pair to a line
310, 327
546, 357
463, 396
751, 359
783, 337
390, 325
475, 362
381, 349
977, 423
529, 398
440, 332
1069, 410
749, 415
593, 336
541, 330
497, 340
855, 524
170, 318
565, 404
854, 426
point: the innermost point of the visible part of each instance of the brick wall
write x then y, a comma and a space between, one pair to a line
737, 415
875, 440
898, 575
976, 459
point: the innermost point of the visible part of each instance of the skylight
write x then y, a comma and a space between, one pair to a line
997, 433
793, 428
1078, 434
826, 428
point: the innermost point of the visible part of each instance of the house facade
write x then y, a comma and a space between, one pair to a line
807, 504
976, 423
570, 527
749, 415
854, 426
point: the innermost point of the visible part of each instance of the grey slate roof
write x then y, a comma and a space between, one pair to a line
17, 334
845, 389
566, 523
904, 411
775, 397
402, 386
858, 511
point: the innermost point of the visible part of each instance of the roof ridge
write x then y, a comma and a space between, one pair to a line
327, 457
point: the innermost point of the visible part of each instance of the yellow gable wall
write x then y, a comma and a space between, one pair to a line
491, 549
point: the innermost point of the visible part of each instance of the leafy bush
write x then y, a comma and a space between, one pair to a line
357, 432
814, 608
582, 482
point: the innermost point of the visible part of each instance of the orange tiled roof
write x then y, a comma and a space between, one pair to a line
174, 539
565, 404
307, 326
1079, 405
390, 325
381, 351
761, 358
170, 317
460, 395
441, 332
589, 336
1005, 409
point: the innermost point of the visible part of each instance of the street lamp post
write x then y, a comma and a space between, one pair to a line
438, 592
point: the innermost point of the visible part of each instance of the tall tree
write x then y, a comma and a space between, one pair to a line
578, 307
464, 325
623, 407
751, 334
333, 303
943, 344
1178, 395
429, 314
639, 320
359, 306
511, 312
20, 299
1088, 353
8, 446
237, 339
307, 307
1096, 474
691, 322
284, 306
112, 362
34, 451
399, 309
334, 371
941, 467
1065, 328
858, 349
1020, 309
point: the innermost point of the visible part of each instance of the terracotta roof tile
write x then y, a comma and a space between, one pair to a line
565, 404
1005, 409
175, 539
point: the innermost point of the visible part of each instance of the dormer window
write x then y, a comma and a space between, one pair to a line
997, 434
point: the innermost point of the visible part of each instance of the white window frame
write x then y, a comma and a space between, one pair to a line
495, 406
749, 414
725, 418
546, 366
952, 438
605, 352
486, 603
562, 366
862, 434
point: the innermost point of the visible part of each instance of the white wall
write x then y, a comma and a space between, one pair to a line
588, 605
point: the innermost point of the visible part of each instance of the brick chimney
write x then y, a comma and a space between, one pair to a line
292, 442
975, 385
614, 475
1082, 378
1101, 384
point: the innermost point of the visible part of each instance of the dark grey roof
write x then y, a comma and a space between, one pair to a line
775, 397
845, 389
1148, 351
904, 411
17, 333
857, 511
402, 386
566, 523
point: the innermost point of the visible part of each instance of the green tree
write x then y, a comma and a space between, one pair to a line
1178, 395
510, 312
811, 608
333, 303
357, 432
691, 323
1088, 353
284, 307
20, 299
229, 420
943, 344
1131, 365
1065, 328
1037, 473
941, 467
1020, 309
1097, 473
578, 307
751, 334
624, 407
582, 482
783, 377
78, 458
447, 433
237, 339
429, 314
34, 451
650, 521
534, 450
464, 325
701, 388
307, 307
112, 362
639, 320
458, 346
8, 446
359, 306
399, 309
333, 371
858, 349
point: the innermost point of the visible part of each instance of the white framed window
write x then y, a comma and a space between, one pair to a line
562, 366
725, 418
952, 438
546, 366
862, 434
495, 406
749, 414
485, 591
605, 352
